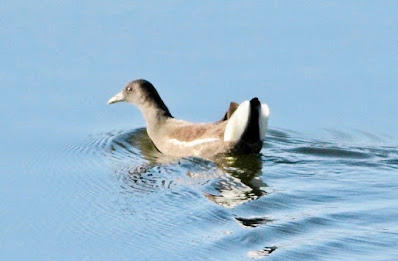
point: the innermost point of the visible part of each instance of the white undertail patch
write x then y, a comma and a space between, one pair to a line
263, 120
237, 123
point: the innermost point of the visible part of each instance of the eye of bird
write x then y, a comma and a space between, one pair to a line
129, 89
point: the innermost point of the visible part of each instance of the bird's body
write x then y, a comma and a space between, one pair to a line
181, 138
241, 131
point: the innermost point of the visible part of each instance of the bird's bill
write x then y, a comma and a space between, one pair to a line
117, 98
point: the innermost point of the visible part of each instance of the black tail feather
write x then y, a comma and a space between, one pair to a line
252, 131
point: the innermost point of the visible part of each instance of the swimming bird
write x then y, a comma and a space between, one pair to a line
241, 130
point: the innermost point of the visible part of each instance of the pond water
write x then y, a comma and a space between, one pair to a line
113, 195
81, 180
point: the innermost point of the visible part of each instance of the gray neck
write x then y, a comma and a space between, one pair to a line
154, 117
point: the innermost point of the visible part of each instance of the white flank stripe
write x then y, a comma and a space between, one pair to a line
192, 143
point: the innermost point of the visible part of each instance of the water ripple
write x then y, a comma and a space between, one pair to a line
331, 152
300, 195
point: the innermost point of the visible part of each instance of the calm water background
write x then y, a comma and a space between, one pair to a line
79, 179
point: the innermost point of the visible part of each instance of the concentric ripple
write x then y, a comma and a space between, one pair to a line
300, 198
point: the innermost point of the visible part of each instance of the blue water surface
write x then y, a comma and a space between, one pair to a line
80, 180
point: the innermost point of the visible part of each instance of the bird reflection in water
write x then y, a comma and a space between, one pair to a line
242, 182
227, 180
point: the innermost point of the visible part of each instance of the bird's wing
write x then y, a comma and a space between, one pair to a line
232, 107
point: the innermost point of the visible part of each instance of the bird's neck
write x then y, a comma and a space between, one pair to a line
154, 116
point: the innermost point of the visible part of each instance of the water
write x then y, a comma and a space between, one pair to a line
79, 180
113, 196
